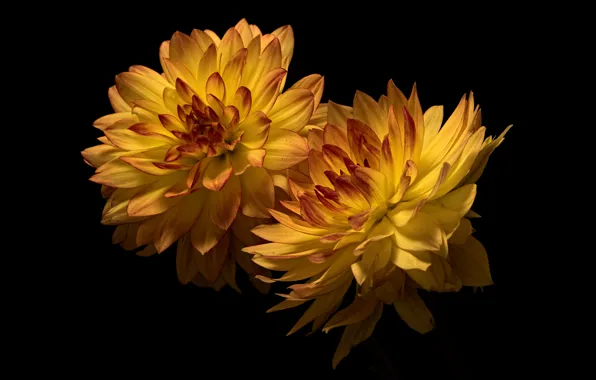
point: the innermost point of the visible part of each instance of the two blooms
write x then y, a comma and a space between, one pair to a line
215, 157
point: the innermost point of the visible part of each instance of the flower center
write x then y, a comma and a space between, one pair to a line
208, 131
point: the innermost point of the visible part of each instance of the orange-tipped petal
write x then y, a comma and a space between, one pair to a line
267, 90
367, 110
217, 173
243, 158
256, 129
292, 110
315, 83
224, 204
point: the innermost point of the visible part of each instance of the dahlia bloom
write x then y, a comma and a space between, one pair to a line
387, 204
191, 155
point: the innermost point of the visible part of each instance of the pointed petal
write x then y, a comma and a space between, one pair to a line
267, 90
338, 115
224, 204
256, 129
119, 174
367, 110
470, 263
414, 312
315, 83
292, 109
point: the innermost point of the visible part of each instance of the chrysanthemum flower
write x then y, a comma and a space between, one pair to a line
387, 205
187, 149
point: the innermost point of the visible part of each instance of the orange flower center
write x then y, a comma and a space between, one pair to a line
206, 130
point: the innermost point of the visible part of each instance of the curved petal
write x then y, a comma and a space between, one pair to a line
217, 173
224, 204
292, 109
284, 149
258, 194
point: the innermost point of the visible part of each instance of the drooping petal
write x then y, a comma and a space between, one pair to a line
258, 194
414, 312
470, 263
224, 204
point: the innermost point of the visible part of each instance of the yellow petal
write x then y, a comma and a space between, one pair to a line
186, 51
244, 30
178, 220
232, 74
462, 232
281, 234
285, 34
355, 334
256, 128
292, 109
470, 263
215, 86
204, 234
242, 158
217, 173
118, 104
338, 115
414, 312
318, 166
315, 83
209, 64
334, 135
202, 39
482, 159
315, 139
224, 204
357, 311
410, 260
211, 263
257, 192
367, 110
152, 200
267, 90
119, 174
186, 264
284, 149
242, 101
297, 224
230, 44
433, 118
101, 154
422, 233
134, 86
130, 140
282, 250
319, 117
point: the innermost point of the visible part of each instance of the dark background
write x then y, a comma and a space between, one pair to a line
130, 314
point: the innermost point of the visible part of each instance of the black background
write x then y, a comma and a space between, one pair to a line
130, 314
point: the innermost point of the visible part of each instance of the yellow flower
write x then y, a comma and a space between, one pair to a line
387, 204
186, 149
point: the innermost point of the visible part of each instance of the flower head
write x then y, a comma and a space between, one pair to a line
186, 149
387, 205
